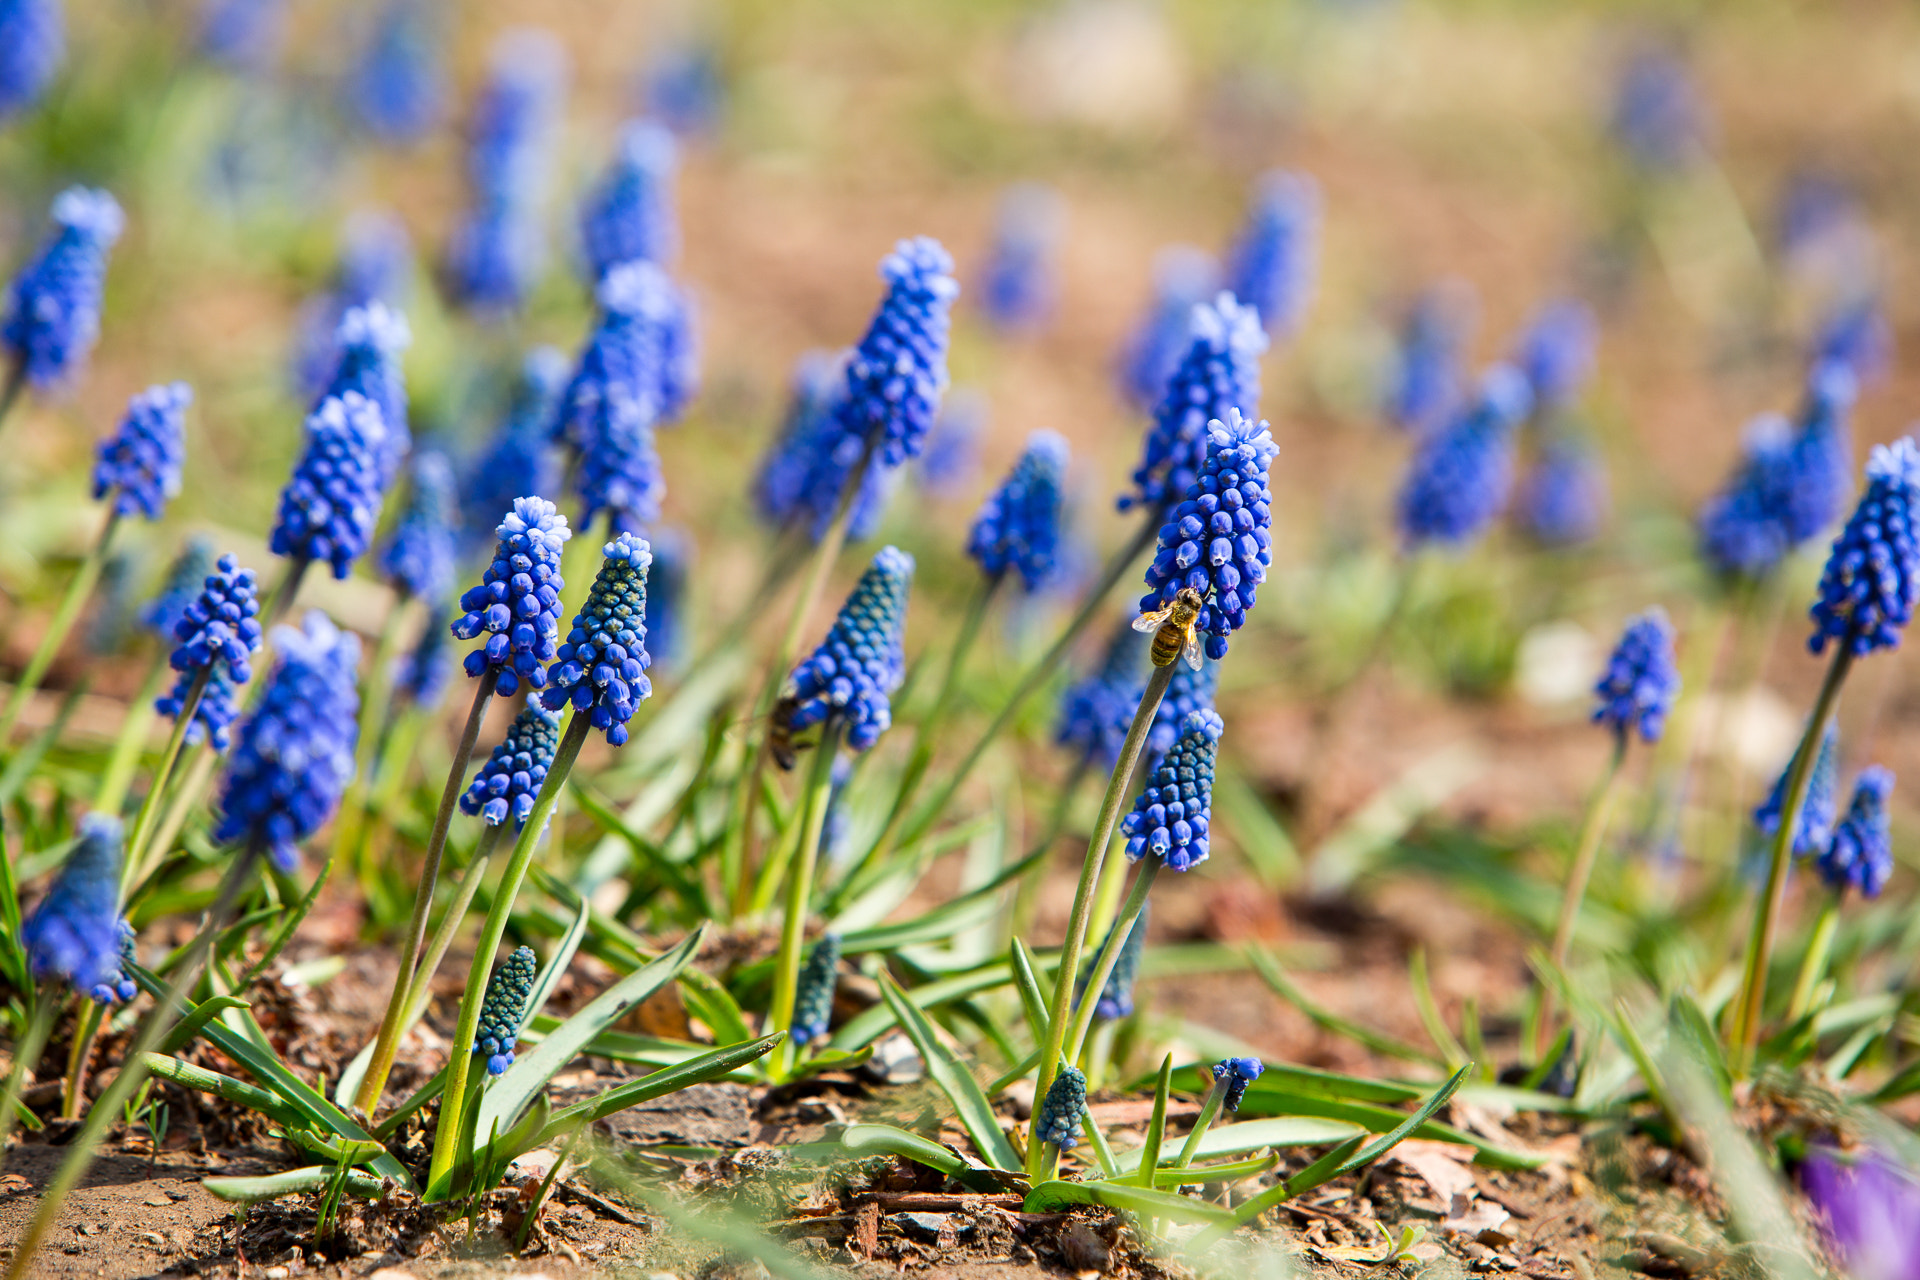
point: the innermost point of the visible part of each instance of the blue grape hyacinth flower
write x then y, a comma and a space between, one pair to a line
376, 264
213, 714
1817, 814
897, 374
854, 672
508, 781
221, 626
1462, 475
33, 41
1017, 285
1218, 541
184, 580
1183, 278
682, 88
1220, 373
418, 561
1818, 476
1097, 711
520, 457
1063, 1109
503, 1008
1189, 691
802, 475
629, 214
1170, 817
1658, 118
951, 460
1018, 527
398, 89
1860, 856
243, 36
1872, 578
1638, 688
332, 501
1563, 498
295, 755
813, 999
1868, 1206
1741, 533
73, 935
1427, 370
140, 463
421, 676
517, 604
1234, 1075
370, 341
52, 314
1855, 335
1556, 353
602, 668
1271, 266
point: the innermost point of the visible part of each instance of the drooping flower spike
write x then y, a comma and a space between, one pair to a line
1236, 1074
399, 87
1872, 578
52, 314
813, 999
1170, 817
185, 578
1637, 690
520, 457
140, 464
1272, 265
503, 1008
517, 604
1063, 1110
1183, 278
1860, 855
295, 755
860, 663
32, 45
1462, 475
602, 668
898, 372
1018, 527
1563, 499
1556, 353
371, 339
1427, 370
1819, 810
376, 264
629, 215
73, 935
1017, 285
1219, 372
1218, 541
1096, 713
419, 559
802, 475
421, 677
330, 506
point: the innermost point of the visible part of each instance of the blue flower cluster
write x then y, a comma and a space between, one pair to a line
185, 577
419, 558
1219, 372
805, 470
897, 374
1563, 499
1556, 354
213, 714
332, 501
1427, 371
1218, 540
221, 626
295, 754
1234, 1075
1018, 527
1817, 814
1063, 1109
498, 249
376, 262
1017, 286
1872, 578
519, 458
510, 779
1856, 336
503, 1008
421, 677
629, 214
602, 668
52, 315
682, 88
1640, 683
517, 604
1183, 278
33, 40
370, 341
1658, 118
1461, 475
1170, 817
1097, 711
951, 460
813, 1001
1271, 266
1189, 691
398, 89
140, 464
1861, 853
74, 934
860, 663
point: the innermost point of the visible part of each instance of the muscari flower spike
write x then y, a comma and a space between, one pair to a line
1861, 853
860, 663
1868, 1204
896, 376
213, 715
1017, 285
1563, 499
185, 578
813, 1001
502, 1009
1818, 479
682, 89
295, 754
1063, 1109
517, 604
520, 458
952, 457
508, 781
1236, 1074
1218, 541
419, 560
421, 677
140, 464
1096, 713
1740, 531
1872, 578
629, 214
370, 341
1641, 681
331, 503
1556, 354
1018, 527
1461, 476
1425, 386
1220, 372
116, 986
221, 627
1658, 118
803, 473
1271, 266
32, 44
1116, 998
1188, 692
52, 315
1183, 278
399, 88
602, 668
73, 935
1818, 812
1170, 817
376, 262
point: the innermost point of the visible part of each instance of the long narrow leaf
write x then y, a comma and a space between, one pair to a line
1252, 1135
707, 1067
1027, 983
885, 1139
1052, 1197
962, 1090
292, 1182
238, 1092
1233, 1172
1156, 1124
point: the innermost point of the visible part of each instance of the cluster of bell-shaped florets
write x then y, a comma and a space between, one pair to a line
332, 501
1096, 712
806, 468
371, 339
503, 1008
1018, 527
140, 463
1063, 1109
629, 214
898, 372
419, 560
1818, 811
854, 672
1637, 689
1170, 817
1462, 474
519, 458
1219, 374
75, 935
1272, 264
508, 781
52, 314
1872, 578
1860, 855
813, 998
602, 668
517, 604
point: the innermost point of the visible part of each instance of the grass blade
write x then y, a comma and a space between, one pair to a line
885, 1139
962, 1090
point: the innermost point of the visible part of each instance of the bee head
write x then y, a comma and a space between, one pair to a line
1188, 598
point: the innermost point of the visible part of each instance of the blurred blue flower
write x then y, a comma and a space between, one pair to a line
1740, 529
1116, 998
1814, 205
1183, 278
1861, 853
1818, 477
1271, 266
1817, 814
1097, 711
673, 554
244, 36
805, 470
295, 754
117, 986
376, 265
52, 315
517, 604
213, 714
1220, 372
833, 833
418, 560
1170, 817
1018, 527
1462, 475
519, 459
897, 374
1872, 578
1218, 540
1640, 683
629, 214
682, 90
1658, 118
1856, 335
1869, 1210
140, 464
421, 676
602, 668
860, 663
508, 782
399, 86
221, 627
332, 501
73, 935
1428, 365
1189, 691
370, 341
1018, 285
503, 1008
1236, 1074
1563, 499
1556, 353
813, 1000
951, 460
32, 44
1063, 1110
182, 587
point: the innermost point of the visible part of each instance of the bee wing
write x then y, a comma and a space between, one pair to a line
1190, 650
1150, 622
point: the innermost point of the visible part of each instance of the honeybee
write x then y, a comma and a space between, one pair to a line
1173, 629
780, 733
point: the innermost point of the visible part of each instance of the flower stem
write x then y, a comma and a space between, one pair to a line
26, 1056
134, 726
793, 928
162, 776
1585, 855
1109, 955
1813, 966
65, 614
199, 774
388, 1040
1209, 1112
1038, 1158
15, 382
83, 1037
463, 894
447, 1141
1753, 983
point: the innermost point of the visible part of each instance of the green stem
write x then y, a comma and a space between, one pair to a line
387, 1043
26, 1056
134, 727
283, 595
84, 1036
1113, 887
1110, 953
1753, 988
1042, 1157
199, 774
1209, 1112
1813, 966
1586, 853
447, 1141
64, 616
464, 890
150, 808
793, 928
10, 389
